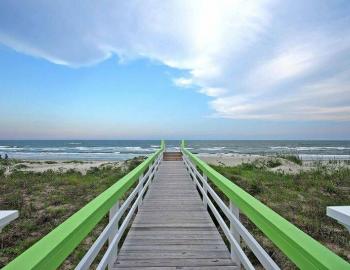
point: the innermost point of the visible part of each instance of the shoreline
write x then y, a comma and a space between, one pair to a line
272, 162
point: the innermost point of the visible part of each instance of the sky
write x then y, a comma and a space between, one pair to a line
194, 69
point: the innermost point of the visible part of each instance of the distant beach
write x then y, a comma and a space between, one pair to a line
41, 156
114, 150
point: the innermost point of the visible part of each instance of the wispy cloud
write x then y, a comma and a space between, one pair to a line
213, 91
183, 82
287, 64
309, 81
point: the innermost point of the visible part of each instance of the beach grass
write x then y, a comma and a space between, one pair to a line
300, 198
46, 199
293, 158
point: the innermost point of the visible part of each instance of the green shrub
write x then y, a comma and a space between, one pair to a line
273, 163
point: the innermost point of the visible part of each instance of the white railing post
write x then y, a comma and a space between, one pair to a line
205, 201
193, 174
152, 167
139, 193
7, 216
235, 211
112, 213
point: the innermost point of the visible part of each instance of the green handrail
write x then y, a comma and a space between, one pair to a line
54, 248
299, 247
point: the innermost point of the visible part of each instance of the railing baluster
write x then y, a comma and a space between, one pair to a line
140, 201
112, 212
205, 201
235, 211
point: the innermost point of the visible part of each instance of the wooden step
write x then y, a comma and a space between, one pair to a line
172, 156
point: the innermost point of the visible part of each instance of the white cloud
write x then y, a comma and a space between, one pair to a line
213, 91
285, 65
182, 34
326, 99
183, 82
253, 65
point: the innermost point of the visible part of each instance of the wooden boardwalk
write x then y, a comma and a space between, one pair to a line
172, 229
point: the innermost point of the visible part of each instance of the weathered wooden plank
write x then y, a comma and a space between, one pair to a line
176, 229
161, 262
171, 234
172, 229
199, 254
222, 267
174, 241
170, 248
176, 237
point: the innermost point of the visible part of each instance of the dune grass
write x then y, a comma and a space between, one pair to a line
46, 199
301, 199
293, 158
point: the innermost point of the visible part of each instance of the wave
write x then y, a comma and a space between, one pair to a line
11, 148
4, 146
311, 148
74, 156
76, 150
217, 148
113, 148
64, 153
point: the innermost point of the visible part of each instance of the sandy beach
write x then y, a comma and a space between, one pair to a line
280, 164
60, 166
284, 165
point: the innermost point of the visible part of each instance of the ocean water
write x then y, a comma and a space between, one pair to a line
126, 149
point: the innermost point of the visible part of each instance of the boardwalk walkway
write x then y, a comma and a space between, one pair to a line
173, 230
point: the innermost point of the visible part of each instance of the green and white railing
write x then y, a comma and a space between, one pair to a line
52, 250
300, 248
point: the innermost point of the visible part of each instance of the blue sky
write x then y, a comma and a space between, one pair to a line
175, 69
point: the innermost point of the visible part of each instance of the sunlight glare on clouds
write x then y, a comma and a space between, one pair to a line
213, 92
182, 82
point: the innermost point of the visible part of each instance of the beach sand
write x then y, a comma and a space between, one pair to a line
285, 166
59, 165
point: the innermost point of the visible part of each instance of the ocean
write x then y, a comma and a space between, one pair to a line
126, 149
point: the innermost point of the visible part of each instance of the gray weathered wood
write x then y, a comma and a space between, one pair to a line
172, 229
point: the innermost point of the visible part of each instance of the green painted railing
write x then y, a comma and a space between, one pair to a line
299, 247
55, 247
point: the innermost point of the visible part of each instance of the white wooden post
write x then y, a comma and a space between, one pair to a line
341, 214
150, 169
6, 216
139, 193
194, 174
112, 213
235, 233
205, 201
